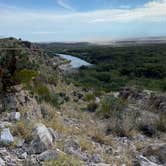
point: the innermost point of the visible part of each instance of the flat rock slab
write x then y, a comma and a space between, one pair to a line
48, 155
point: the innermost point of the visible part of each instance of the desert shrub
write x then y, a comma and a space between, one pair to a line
111, 107
92, 106
98, 135
90, 97
54, 100
41, 90
15, 62
152, 127
124, 125
86, 145
46, 111
98, 93
161, 123
22, 129
43, 93
53, 80
24, 76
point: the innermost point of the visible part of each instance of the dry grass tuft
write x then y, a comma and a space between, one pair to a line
86, 145
64, 160
23, 129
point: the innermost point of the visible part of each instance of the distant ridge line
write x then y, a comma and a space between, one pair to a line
18, 49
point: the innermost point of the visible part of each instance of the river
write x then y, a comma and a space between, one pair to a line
75, 62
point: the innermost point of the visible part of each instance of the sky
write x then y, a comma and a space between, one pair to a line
82, 20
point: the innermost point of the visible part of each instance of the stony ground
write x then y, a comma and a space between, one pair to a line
72, 136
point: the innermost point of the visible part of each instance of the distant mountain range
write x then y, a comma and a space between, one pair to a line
123, 42
136, 41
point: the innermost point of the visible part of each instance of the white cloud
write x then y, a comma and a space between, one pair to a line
152, 11
63, 4
21, 21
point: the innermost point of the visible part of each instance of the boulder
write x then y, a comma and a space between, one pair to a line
97, 100
42, 139
2, 162
15, 116
96, 158
56, 136
48, 155
6, 137
23, 155
71, 146
143, 161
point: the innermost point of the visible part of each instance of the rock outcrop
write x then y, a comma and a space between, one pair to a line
42, 139
6, 137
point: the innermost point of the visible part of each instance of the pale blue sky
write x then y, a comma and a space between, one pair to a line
82, 20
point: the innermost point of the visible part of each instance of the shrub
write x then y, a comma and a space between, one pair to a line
23, 129
125, 125
15, 64
161, 123
86, 145
111, 107
41, 90
91, 107
44, 94
24, 76
90, 97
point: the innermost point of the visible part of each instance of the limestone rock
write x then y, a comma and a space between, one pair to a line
143, 161
43, 139
48, 155
31, 161
2, 162
15, 116
71, 146
96, 158
54, 134
6, 137
23, 155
